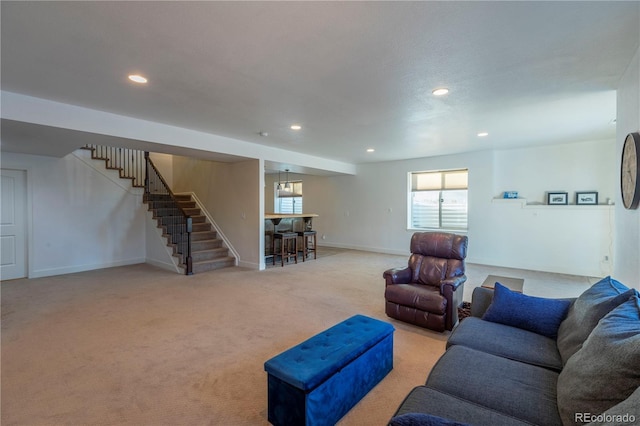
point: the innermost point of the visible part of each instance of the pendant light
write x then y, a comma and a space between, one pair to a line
287, 185
279, 188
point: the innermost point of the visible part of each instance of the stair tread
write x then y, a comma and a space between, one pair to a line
225, 258
208, 250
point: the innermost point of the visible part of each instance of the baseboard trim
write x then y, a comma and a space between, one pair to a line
40, 273
163, 265
250, 265
366, 248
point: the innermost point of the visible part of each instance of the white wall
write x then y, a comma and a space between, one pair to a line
627, 235
72, 229
79, 218
164, 164
585, 166
369, 211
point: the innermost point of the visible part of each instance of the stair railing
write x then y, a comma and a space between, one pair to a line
130, 162
178, 223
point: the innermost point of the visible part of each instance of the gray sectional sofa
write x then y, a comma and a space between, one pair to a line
522, 360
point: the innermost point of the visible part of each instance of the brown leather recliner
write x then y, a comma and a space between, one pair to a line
429, 290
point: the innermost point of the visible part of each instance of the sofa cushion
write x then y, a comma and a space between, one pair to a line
421, 419
586, 311
506, 341
432, 401
604, 372
513, 388
537, 314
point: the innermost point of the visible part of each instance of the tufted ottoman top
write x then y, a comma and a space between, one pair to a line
310, 363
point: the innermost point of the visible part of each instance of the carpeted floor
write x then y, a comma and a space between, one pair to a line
138, 345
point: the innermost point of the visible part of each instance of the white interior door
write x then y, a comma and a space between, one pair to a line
13, 225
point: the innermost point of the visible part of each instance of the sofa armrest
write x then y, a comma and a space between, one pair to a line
480, 301
397, 276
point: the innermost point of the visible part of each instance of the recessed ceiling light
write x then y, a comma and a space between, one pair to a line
296, 127
440, 92
483, 134
136, 78
370, 150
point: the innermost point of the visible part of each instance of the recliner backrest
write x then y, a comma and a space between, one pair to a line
437, 256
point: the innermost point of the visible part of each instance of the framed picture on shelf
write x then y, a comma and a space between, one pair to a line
587, 198
557, 198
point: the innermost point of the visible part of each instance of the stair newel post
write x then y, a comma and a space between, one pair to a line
146, 175
189, 259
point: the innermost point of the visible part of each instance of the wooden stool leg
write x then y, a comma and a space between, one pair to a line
304, 247
315, 246
273, 250
295, 249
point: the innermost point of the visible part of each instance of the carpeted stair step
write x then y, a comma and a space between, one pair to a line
183, 197
157, 197
164, 212
205, 245
187, 204
201, 226
203, 235
198, 219
192, 211
166, 220
158, 204
213, 254
210, 265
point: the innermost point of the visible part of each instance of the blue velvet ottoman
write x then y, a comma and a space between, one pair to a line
321, 379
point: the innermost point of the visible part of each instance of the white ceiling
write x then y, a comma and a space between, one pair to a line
355, 75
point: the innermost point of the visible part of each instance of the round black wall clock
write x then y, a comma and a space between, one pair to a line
630, 171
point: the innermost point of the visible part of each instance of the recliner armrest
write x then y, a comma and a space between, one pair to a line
397, 276
453, 282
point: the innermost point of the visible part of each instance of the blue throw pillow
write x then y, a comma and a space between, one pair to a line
421, 419
537, 314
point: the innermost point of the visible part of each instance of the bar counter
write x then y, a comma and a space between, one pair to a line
280, 222
277, 217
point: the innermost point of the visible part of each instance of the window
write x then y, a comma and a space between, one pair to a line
288, 201
438, 200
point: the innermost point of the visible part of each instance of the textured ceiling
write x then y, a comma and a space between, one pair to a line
355, 75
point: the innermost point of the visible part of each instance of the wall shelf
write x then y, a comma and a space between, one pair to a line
534, 205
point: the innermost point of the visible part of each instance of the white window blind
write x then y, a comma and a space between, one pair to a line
438, 200
288, 201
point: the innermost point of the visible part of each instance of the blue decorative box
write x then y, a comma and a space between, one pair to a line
510, 194
318, 381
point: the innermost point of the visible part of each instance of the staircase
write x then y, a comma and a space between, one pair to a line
207, 250
185, 228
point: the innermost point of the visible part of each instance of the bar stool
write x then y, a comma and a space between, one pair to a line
286, 239
305, 243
